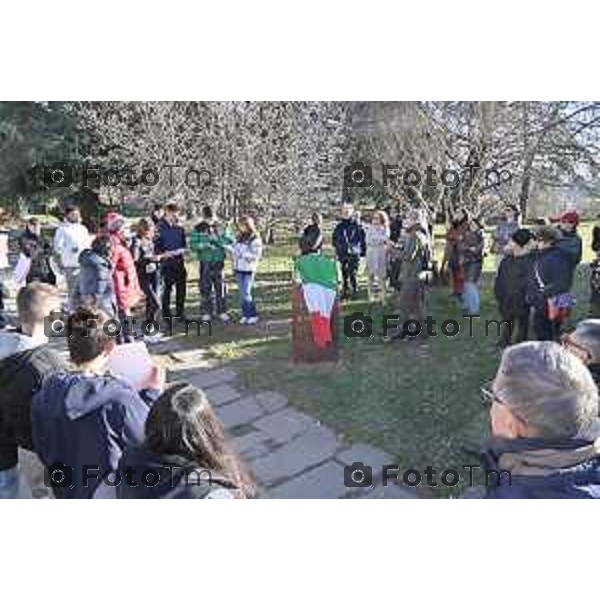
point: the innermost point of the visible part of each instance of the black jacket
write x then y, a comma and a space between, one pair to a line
349, 239
21, 375
571, 245
510, 287
38, 250
311, 240
172, 476
596, 239
551, 274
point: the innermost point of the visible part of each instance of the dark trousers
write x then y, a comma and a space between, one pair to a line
211, 281
545, 329
150, 284
518, 331
349, 266
2, 319
173, 274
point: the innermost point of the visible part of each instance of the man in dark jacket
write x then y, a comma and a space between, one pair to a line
39, 251
510, 287
83, 421
171, 244
550, 276
25, 362
544, 422
350, 244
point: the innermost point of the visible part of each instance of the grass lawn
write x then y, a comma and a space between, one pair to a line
419, 401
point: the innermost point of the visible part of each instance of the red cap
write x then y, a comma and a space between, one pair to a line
570, 217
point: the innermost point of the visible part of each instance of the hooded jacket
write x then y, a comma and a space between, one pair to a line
95, 279
178, 478
246, 253
24, 364
543, 469
84, 420
124, 274
570, 243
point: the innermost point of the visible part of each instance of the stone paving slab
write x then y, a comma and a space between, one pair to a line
311, 448
271, 401
222, 394
285, 424
252, 445
367, 454
324, 481
389, 492
239, 412
205, 378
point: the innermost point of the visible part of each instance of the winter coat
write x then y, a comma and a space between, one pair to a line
510, 287
376, 237
596, 239
124, 274
38, 250
570, 243
311, 240
247, 252
349, 239
24, 364
95, 279
551, 274
543, 469
209, 242
470, 249
80, 419
178, 478
170, 238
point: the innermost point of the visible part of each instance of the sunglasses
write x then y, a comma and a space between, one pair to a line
566, 340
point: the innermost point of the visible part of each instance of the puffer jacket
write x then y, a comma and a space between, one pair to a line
124, 274
95, 279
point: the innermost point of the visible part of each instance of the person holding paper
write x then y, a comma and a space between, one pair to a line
171, 244
83, 421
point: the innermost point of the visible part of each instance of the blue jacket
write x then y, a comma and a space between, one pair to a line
80, 420
95, 279
349, 239
542, 469
571, 245
551, 274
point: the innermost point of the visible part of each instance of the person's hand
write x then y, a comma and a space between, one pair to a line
155, 380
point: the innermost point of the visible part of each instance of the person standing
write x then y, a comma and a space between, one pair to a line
311, 240
453, 257
158, 212
549, 281
377, 240
209, 241
504, 230
37, 251
171, 244
510, 287
25, 362
570, 242
350, 244
70, 239
124, 274
147, 266
247, 252
472, 251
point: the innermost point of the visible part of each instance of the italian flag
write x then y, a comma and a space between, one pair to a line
318, 276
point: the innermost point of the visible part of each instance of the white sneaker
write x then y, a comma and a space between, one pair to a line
224, 317
244, 321
206, 318
252, 321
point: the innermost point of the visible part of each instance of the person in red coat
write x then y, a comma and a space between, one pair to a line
124, 274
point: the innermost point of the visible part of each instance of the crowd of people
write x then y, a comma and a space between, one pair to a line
95, 433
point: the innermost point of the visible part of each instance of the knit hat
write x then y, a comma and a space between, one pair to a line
114, 222
570, 216
522, 237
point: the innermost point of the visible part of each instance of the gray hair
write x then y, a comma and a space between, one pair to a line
587, 333
549, 388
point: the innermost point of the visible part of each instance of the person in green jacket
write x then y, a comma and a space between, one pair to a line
210, 241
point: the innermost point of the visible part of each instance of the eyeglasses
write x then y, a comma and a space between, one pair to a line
566, 340
488, 397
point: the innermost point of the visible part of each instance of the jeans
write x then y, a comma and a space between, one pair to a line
13, 486
211, 280
471, 298
71, 279
150, 284
245, 282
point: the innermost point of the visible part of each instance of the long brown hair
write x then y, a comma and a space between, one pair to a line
247, 228
182, 422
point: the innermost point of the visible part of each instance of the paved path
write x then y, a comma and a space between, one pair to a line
290, 453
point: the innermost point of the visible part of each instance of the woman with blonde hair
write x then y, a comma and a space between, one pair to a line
377, 240
247, 251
